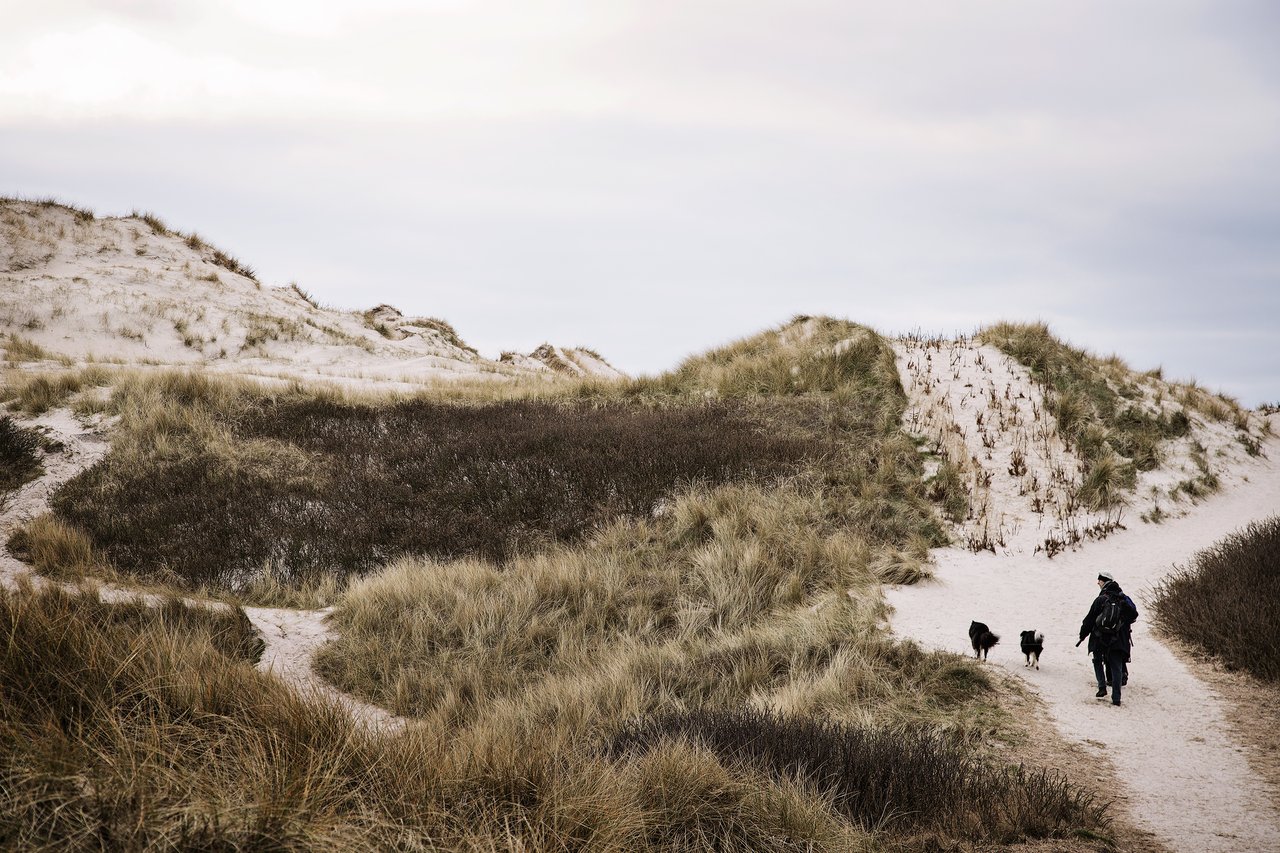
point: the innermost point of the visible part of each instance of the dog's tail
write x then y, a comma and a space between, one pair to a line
989, 639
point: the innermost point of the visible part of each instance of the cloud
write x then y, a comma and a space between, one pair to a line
650, 179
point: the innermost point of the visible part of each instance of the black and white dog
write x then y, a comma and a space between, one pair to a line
981, 638
1032, 647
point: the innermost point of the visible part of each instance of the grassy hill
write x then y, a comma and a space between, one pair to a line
558, 582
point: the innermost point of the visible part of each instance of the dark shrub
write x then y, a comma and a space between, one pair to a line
883, 780
19, 455
1227, 601
419, 478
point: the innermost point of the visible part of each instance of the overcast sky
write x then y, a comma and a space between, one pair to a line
655, 178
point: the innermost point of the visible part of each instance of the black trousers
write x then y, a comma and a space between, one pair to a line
1108, 666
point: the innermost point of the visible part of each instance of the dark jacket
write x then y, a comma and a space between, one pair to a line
1122, 641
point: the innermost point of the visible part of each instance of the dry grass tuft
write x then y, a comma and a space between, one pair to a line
19, 349
56, 549
303, 295
39, 392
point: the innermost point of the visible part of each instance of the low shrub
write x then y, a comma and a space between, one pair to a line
887, 781
374, 483
1226, 601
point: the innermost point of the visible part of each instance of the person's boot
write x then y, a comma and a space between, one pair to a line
1102, 691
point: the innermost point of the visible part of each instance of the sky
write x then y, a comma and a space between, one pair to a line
653, 179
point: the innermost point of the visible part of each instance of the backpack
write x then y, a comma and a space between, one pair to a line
1110, 618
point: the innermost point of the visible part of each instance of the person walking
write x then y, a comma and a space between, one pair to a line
1107, 625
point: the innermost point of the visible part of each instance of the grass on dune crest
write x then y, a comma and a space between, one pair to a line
805, 356
1102, 410
1226, 601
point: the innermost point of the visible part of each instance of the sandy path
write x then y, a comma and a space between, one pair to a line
81, 448
1187, 780
292, 637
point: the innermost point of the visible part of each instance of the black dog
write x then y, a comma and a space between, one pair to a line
982, 639
1033, 647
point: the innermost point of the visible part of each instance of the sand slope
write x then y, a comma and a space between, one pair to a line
127, 289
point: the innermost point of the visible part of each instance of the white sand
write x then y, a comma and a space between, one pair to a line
112, 289
293, 637
1185, 779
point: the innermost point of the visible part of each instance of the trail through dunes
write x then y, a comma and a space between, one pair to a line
292, 637
1186, 779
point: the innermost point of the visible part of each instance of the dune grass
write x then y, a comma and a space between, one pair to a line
132, 727
18, 349
717, 542
1226, 601
56, 549
807, 355
37, 393
82, 214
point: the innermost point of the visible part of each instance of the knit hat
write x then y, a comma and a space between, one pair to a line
1105, 576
